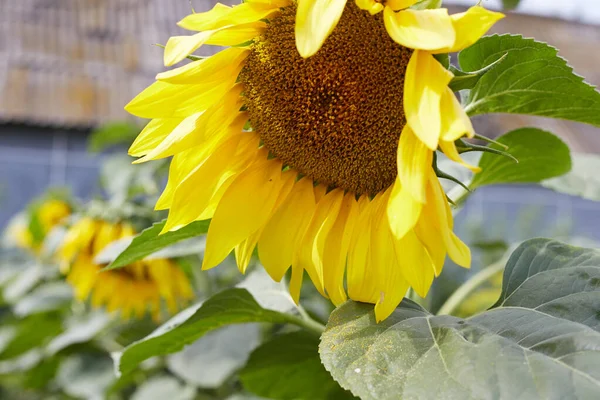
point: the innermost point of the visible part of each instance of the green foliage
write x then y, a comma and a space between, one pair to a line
86, 375
46, 297
150, 241
226, 350
231, 306
112, 134
288, 368
32, 332
427, 4
532, 79
510, 4
164, 387
540, 340
467, 80
583, 180
541, 156
122, 180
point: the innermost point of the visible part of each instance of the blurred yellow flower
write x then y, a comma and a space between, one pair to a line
47, 215
335, 178
132, 290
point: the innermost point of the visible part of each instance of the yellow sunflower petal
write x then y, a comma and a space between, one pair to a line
213, 69
185, 162
286, 227
420, 29
455, 121
244, 250
179, 47
360, 279
199, 127
415, 263
336, 249
471, 25
414, 162
107, 234
181, 166
400, 4
438, 207
315, 20
372, 6
425, 82
237, 35
152, 134
310, 251
205, 21
391, 284
165, 100
403, 210
221, 16
449, 149
193, 194
239, 215
431, 237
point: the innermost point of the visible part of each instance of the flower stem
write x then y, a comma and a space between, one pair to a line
469, 287
306, 322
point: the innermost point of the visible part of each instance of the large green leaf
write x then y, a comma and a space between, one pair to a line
212, 359
541, 156
540, 341
232, 306
583, 180
288, 368
163, 387
149, 241
532, 80
86, 376
80, 329
46, 297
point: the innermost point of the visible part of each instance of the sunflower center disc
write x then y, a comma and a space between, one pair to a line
335, 117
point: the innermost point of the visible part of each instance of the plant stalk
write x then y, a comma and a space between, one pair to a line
469, 287
307, 323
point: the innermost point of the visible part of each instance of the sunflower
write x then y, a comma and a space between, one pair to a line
321, 159
132, 290
30, 232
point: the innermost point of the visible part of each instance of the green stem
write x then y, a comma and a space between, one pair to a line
308, 323
469, 287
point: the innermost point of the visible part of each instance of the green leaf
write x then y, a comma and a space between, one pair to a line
46, 297
32, 332
427, 4
123, 180
163, 387
232, 306
467, 80
541, 155
510, 4
288, 368
149, 241
225, 350
583, 180
112, 134
80, 329
187, 247
532, 80
85, 375
540, 340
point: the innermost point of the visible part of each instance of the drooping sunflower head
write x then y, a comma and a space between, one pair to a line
39, 219
325, 163
133, 290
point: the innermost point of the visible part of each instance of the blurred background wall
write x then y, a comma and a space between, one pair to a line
67, 66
